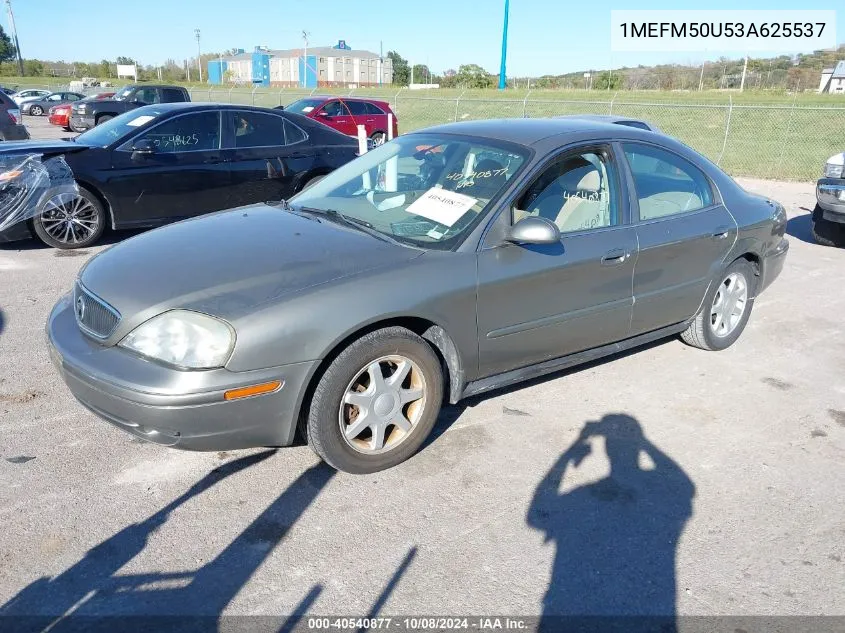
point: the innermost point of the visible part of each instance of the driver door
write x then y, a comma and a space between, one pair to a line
186, 175
335, 114
539, 302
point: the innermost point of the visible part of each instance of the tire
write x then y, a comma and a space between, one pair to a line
706, 330
329, 409
103, 118
378, 138
73, 128
312, 181
66, 128
36, 110
90, 215
828, 233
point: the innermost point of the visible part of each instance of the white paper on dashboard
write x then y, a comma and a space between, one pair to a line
441, 205
140, 120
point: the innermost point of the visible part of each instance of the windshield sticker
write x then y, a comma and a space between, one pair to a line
307, 108
441, 205
435, 234
140, 120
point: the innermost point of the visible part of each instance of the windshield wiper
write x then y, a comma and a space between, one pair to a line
355, 223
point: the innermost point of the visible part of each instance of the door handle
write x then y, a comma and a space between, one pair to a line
615, 257
370, 120
721, 233
340, 121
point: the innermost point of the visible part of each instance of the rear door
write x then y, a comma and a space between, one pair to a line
172, 95
335, 114
684, 234
268, 153
538, 302
368, 115
187, 174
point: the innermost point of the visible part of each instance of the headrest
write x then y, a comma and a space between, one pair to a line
591, 181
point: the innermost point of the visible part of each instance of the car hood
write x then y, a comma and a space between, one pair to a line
229, 262
40, 147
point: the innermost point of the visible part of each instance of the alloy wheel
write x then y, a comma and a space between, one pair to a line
728, 305
70, 218
36, 111
379, 138
382, 404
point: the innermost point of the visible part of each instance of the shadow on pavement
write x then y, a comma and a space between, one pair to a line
92, 588
801, 227
615, 538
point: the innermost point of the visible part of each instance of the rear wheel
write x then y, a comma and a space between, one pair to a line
725, 309
378, 138
36, 110
70, 220
376, 402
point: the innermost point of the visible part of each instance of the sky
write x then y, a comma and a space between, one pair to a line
545, 36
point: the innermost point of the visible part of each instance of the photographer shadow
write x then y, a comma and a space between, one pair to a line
614, 567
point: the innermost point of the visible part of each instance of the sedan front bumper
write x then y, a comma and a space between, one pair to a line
82, 121
830, 193
181, 409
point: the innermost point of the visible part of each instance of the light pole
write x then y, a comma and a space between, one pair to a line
199, 61
305, 60
502, 76
15, 36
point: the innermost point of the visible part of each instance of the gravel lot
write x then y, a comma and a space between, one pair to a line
742, 512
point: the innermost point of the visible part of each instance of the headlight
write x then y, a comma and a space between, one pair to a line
81, 108
184, 339
835, 167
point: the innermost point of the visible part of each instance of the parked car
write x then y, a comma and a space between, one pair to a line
11, 122
37, 107
446, 263
84, 116
167, 162
60, 114
29, 93
345, 114
829, 214
7, 91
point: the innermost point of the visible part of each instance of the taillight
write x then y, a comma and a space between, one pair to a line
14, 115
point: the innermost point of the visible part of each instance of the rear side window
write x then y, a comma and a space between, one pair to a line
7, 102
666, 184
357, 108
372, 108
172, 95
258, 129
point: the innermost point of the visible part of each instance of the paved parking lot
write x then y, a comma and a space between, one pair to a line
737, 508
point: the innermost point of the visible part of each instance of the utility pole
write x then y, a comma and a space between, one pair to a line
701, 77
502, 73
744, 69
305, 60
381, 61
15, 36
199, 60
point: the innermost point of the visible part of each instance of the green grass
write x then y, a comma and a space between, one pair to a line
772, 134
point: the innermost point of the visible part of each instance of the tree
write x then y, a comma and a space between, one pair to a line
125, 61
473, 76
401, 70
7, 49
421, 74
608, 81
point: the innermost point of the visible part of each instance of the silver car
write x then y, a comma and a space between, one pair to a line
443, 264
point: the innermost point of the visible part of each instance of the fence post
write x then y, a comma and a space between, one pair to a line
727, 129
611, 102
786, 134
281, 90
524, 102
312, 92
396, 97
254, 88
457, 102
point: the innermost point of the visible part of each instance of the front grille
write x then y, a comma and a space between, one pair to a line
94, 315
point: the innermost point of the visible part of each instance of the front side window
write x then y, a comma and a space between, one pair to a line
55, 97
335, 108
147, 95
666, 184
426, 190
194, 132
577, 193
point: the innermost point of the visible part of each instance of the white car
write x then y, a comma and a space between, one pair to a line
30, 94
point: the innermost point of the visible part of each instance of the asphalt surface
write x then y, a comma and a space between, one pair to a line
737, 508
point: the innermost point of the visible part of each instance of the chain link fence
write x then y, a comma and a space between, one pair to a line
775, 139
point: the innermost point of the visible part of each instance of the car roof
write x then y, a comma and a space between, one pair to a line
611, 118
329, 97
202, 105
530, 131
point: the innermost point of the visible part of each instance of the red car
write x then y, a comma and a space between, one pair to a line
60, 114
345, 114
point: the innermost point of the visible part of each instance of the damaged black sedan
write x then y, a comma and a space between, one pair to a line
158, 164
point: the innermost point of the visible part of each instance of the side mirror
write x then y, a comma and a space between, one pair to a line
534, 230
144, 147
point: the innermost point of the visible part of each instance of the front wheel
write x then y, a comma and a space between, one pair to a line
376, 402
70, 220
36, 110
725, 309
828, 233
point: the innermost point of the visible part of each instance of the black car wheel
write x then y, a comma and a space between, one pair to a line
376, 402
725, 309
73, 128
36, 110
828, 233
70, 219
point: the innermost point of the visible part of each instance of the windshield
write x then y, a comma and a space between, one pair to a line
304, 106
123, 93
422, 189
114, 129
